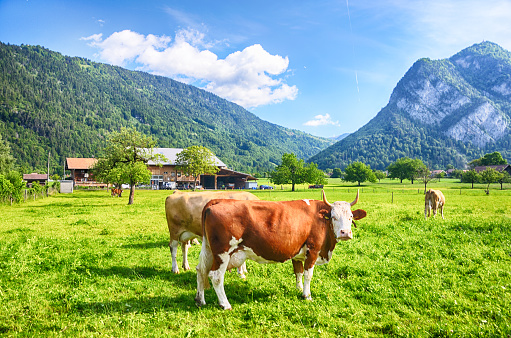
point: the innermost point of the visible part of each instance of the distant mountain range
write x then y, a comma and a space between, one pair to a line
443, 112
67, 105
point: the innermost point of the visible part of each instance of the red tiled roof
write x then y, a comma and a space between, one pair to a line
80, 163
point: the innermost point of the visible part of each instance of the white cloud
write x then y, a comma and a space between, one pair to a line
321, 120
249, 77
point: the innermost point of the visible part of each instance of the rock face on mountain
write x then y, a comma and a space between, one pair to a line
442, 111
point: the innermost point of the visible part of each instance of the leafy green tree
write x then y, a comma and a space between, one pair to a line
494, 158
127, 154
457, 174
440, 175
6, 159
424, 175
380, 175
490, 176
359, 172
294, 171
471, 176
336, 173
196, 161
399, 169
18, 185
313, 175
406, 168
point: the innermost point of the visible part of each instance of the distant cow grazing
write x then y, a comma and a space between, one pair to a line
117, 192
305, 231
434, 200
184, 212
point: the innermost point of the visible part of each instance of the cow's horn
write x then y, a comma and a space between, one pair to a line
324, 198
355, 201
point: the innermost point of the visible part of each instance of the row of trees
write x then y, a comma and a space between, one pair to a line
415, 169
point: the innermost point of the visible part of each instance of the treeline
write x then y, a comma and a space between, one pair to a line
67, 106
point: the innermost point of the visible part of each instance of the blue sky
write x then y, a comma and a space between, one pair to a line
324, 67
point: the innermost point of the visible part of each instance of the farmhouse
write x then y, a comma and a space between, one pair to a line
499, 168
80, 171
169, 176
34, 177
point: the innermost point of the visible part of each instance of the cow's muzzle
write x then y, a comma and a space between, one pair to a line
345, 235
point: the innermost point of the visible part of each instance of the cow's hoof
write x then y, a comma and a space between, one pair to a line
176, 271
199, 302
308, 297
226, 307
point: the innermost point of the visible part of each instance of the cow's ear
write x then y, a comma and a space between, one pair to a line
325, 214
359, 214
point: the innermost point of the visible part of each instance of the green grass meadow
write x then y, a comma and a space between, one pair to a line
89, 265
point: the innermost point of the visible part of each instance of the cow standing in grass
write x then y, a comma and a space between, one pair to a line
434, 200
305, 231
184, 212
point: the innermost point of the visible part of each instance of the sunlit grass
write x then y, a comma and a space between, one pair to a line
87, 264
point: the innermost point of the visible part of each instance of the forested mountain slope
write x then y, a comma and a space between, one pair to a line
67, 105
443, 112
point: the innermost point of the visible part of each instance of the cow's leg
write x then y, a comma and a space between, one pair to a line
442, 210
173, 252
307, 274
184, 249
217, 279
307, 283
298, 269
203, 268
426, 209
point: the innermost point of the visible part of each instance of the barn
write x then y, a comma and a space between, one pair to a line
80, 171
169, 176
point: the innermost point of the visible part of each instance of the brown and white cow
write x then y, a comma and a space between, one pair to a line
184, 212
117, 192
305, 231
434, 200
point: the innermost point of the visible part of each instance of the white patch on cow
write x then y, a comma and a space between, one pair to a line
217, 279
322, 260
307, 201
301, 254
234, 244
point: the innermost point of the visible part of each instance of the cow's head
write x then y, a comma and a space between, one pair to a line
342, 217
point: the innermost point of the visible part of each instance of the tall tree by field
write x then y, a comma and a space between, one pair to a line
379, 175
127, 154
359, 172
490, 176
406, 168
337, 173
471, 176
424, 175
294, 171
494, 158
196, 161
6, 158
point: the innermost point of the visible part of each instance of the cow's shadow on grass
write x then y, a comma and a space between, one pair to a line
238, 291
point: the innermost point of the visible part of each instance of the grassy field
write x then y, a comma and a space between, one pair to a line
87, 264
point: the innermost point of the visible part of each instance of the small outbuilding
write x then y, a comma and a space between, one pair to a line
35, 177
